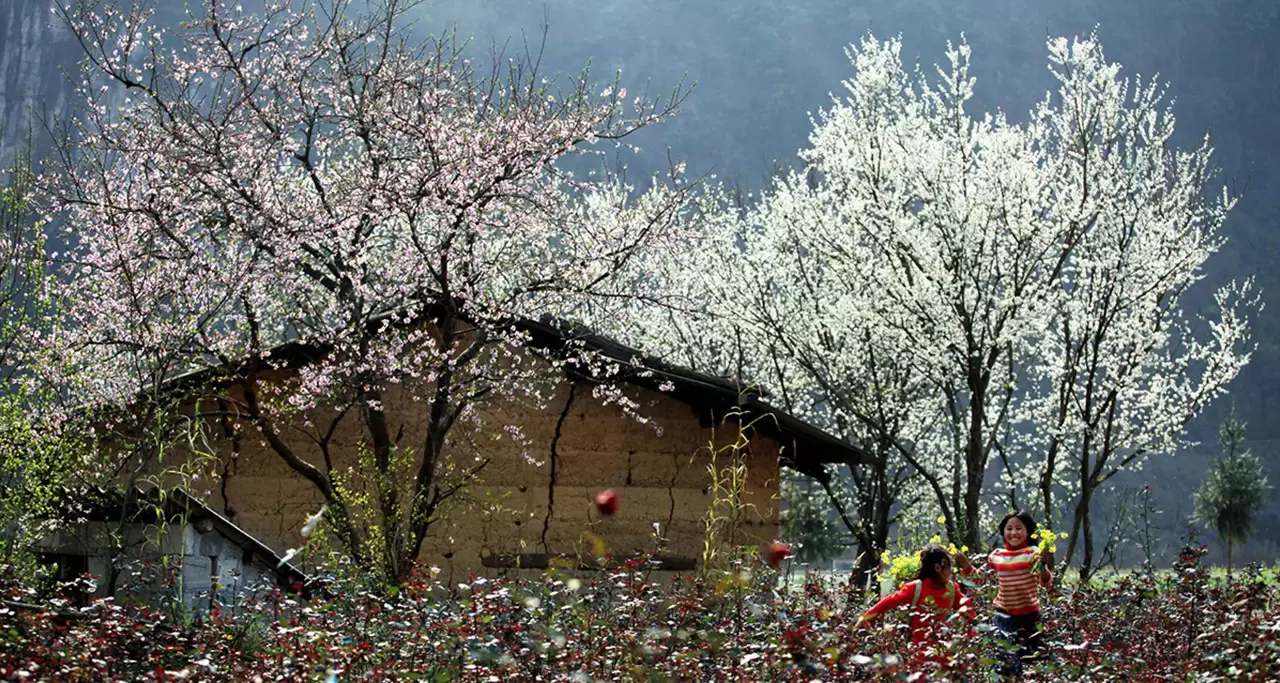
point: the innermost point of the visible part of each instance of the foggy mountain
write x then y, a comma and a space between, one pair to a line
35, 55
762, 66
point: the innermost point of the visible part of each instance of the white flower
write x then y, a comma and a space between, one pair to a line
313, 520
288, 555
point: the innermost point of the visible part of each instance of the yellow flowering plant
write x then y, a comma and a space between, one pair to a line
1047, 542
900, 568
904, 567
951, 547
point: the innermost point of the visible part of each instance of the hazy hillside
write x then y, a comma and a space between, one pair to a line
33, 54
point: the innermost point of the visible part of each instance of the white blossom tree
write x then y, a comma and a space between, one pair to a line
751, 301
314, 175
974, 294
1121, 369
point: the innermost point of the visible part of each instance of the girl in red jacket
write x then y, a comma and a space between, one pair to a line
934, 598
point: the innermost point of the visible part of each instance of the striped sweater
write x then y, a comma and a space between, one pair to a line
1019, 586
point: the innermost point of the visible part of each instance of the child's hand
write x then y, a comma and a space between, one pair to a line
1041, 566
962, 561
1043, 563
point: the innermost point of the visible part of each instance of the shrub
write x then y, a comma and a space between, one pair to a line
616, 625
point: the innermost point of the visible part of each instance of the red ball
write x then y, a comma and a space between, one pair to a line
607, 502
776, 553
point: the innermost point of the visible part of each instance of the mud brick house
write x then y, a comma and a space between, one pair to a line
531, 506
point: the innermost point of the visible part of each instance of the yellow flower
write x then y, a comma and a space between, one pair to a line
1047, 540
942, 519
901, 568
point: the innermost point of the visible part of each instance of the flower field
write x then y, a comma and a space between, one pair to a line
629, 625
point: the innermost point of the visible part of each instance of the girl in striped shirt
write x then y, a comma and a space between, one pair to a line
1020, 572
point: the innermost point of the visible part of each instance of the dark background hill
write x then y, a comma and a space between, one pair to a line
762, 65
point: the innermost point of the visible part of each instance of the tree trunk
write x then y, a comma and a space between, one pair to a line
1228, 559
1080, 536
863, 575
875, 497
1086, 567
975, 457
1079, 519
1046, 483
972, 512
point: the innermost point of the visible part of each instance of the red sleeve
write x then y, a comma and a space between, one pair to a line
896, 599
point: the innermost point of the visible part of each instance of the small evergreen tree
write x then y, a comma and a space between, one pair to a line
1230, 498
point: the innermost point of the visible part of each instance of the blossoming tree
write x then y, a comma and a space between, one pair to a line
974, 295
312, 174
1121, 368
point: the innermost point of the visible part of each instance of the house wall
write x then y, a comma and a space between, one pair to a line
236, 575
145, 544
530, 500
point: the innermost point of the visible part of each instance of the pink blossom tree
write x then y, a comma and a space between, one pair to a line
312, 175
